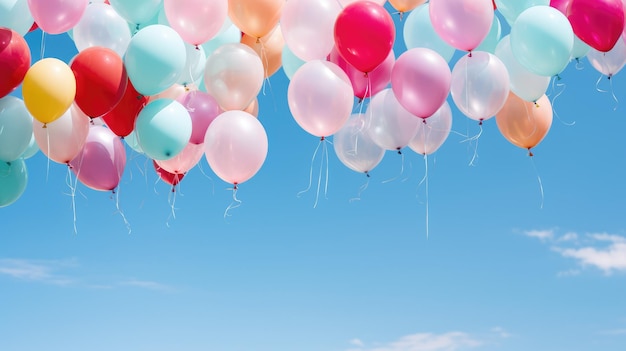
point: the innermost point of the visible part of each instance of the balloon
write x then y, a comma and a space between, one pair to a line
163, 129
364, 35
580, 49
291, 62
462, 23
560, 5
511, 9
194, 65
524, 123
133, 143
13, 180
137, 11
196, 20
102, 26
15, 15
100, 164
433, 132
598, 23
235, 146
354, 147
121, 120
419, 33
14, 60
345, 3
480, 85
253, 108
406, 5
49, 89
234, 76
269, 48
31, 149
174, 92
525, 84
542, 40
16, 128
155, 59
62, 139
390, 126
202, 109
232, 34
170, 178
370, 84
421, 81
611, 62
255, 17
185, 160
100, 80
308, 27
57, 16
491, 40
320, 97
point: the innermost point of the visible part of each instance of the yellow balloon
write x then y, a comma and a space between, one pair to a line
48, 89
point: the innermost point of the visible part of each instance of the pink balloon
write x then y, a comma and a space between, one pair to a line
462, 23
174, 92
100, 164
196, 21
598, 23
184, 161
364, 34
420, 80
560, 5
235, 146
57, 16
365, 85
320, 97
203, 109
345, 3
62, 139
390, 126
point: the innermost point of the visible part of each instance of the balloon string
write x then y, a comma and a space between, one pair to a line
325, 147
559, 92
425, 181
401, 169
532, 161
171, 199
362, 188
311, 170
119, 209
43, 44
49, 153
236, 202
207, 176
598, 84
579, 65
72, 187
472, 139
613, 93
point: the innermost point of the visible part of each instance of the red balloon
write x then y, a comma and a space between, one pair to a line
365, 86
100, 80
364, 35
14, 60
170, 178
121, 120
598, 23
33, 27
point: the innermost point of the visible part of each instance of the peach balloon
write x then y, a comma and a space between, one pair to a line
525, 123
269, 48
256, 18
405, 5
253, 108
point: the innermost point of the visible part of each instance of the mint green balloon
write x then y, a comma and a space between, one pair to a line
137, 11
511, 9
580, 49
291, 62
419, 33
542, 40
155, 59
13, 179
163, 129
32, 149
493, 37
133, 143
16, 128
231, 34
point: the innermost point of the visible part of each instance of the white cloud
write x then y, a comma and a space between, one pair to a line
146, 284
42, 271
501, 332
357, 342
542, 235
568, 237
451, 341
568, 273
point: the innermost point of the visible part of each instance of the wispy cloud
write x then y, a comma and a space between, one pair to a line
147, 284
451, 341
41, 271
543, 235
501, 332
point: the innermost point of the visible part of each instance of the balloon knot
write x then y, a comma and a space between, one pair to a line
609, 76
322, 138
399, 151
366, 74
360, 100
558, 77
113, 191
401, 13
470, 54
168, 154
197, 47
173, 188
139, 97
9, 164
530, 153
536, 104
69, 165
424, 120
480, 122
45, 125
258, 40
235, 186
367, 174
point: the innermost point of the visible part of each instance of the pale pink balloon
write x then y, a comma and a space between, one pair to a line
420, 80
433, 132
184, 161
320, 97
57, 16
63, 138
202, 109
345, 3
462, 23
389, 124
175, 92
101, 162
235, 146
196, 21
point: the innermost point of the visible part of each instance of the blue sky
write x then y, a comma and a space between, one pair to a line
497, 271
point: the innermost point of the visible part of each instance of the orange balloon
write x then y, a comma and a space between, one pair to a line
525, 123
269, 48
256, 18
253, 108
405, 5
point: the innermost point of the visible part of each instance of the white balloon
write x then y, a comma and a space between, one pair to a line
389, 124
611, 62
355, 148
102, 26
433, 132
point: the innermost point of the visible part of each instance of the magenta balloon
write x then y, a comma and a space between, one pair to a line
366, 85
420, 80
57, 16
462, 23
320, 97
364, 34
62, 139
196, 21
203, 109
560, 5
185, 160
100, 164
235, 146
598, 23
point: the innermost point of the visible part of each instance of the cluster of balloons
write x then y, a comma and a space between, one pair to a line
179, 79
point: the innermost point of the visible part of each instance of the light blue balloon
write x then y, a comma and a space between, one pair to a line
137, 11
163, 129
16, 128
15, 14
231, 35
419, 33
13, 179
32, 149
291, 62
580, 49
542, 40
511, 9
155, 59
493, 37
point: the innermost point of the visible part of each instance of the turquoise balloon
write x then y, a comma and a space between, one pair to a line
580, 49
511, 9
32, 149
155, 59
15, 14
132, 142
16, 128
137, 11
231, 35
163, 129
13, 179
419, 33
542, 40
493, 37
291, 62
